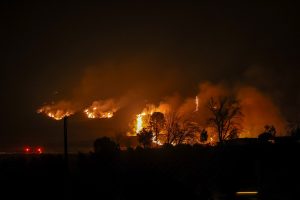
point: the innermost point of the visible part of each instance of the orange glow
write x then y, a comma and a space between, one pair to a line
254, 103
247, 193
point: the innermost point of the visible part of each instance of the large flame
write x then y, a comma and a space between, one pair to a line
101, 109
142, 123
57, 111
139, 122
142, 120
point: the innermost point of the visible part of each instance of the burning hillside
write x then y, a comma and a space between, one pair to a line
177, 120
101, 109
57, 111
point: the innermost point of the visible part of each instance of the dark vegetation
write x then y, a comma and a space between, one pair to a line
175, 128
169, 172
175, 170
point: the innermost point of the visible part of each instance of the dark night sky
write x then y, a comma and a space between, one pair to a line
50, 49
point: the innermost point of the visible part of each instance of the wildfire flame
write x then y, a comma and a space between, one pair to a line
142, 119
197, 104
95, 113
56, 112
139, 122
140, 125
157, 141
101, 109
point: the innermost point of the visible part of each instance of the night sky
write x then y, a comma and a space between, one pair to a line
140, 52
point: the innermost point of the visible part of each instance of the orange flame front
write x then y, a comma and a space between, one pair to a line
101, 109
95, 113
54, 113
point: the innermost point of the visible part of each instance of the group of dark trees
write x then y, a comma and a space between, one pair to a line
224, 120
201, 171
171, 128
268, 134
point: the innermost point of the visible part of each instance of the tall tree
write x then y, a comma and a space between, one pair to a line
187, 132
225, 117
294, 129
145, 137
172, 127
178, 131
157, 122
106, 147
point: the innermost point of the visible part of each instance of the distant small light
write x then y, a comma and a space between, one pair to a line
39, 150
247, 193
27, 149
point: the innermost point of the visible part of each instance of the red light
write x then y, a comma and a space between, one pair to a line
27, 149
39, 150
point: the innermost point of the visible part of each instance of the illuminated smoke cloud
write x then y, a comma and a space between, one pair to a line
259, 110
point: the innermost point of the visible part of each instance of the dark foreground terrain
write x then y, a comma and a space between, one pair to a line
181, 172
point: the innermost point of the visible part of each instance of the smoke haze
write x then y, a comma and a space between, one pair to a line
136, 54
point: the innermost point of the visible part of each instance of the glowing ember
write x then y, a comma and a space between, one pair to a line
55, 113
101, 109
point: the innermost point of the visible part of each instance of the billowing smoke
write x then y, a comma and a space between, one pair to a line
120, 93
206, 91
258, 109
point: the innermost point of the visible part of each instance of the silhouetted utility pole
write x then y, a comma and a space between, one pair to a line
66, 143
66, 161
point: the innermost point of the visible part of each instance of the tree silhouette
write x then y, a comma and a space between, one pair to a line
172, 127
268, 134
186, 133
157, 123
178, 131
294, 130
225, 118
145, 137
106, 147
